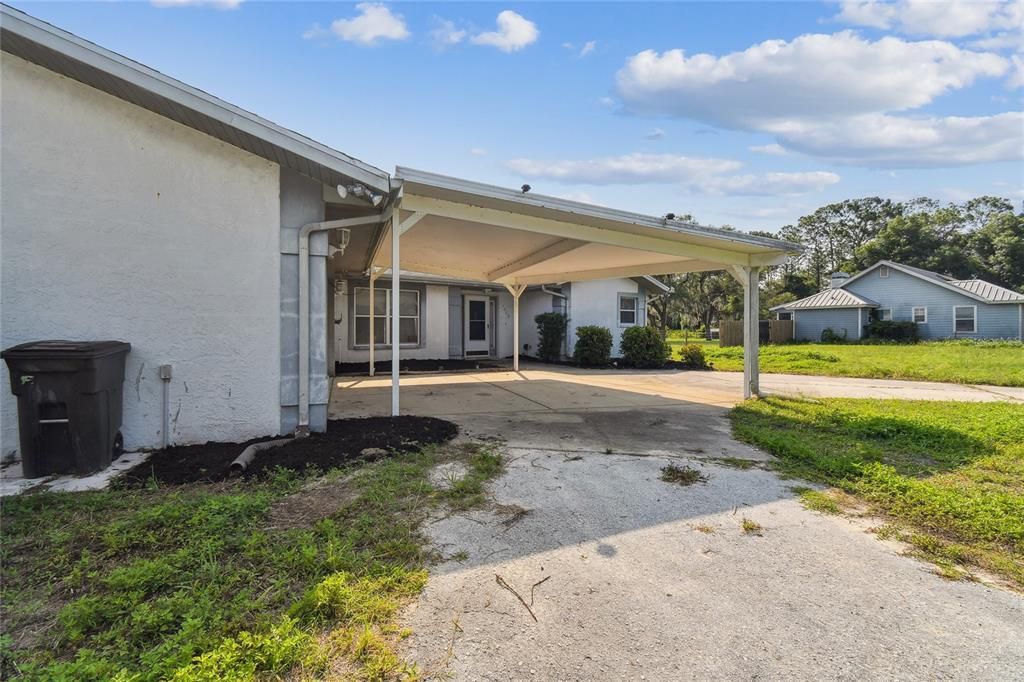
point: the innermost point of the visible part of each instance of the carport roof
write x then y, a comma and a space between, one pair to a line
471, 230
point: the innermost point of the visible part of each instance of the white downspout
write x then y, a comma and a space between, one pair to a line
302, 427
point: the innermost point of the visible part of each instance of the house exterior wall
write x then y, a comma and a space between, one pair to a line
434, 323
809, 324
121, 224
902, 292
597, 303
531, 304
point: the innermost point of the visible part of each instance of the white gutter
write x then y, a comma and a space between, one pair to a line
302, 428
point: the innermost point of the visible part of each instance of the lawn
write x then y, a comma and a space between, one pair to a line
237, 580
947, 476
999, 363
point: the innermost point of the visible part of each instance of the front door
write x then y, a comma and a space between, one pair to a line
478, 327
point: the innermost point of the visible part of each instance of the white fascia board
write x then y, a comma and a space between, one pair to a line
567, 230
564, 205
151, 80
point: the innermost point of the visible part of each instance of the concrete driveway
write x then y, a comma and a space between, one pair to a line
633, 578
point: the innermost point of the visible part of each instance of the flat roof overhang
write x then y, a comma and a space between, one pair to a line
467, 230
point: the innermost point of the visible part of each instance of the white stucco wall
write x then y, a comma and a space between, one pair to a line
597, 303
433, 332
120, 224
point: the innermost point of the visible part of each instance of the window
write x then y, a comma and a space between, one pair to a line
883, 272
627, 310
919, 314
785, 316
885, 314
965, 319
408, 317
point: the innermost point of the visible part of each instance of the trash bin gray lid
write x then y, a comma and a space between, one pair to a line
55, 348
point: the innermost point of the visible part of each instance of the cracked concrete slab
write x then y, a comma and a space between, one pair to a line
648, 580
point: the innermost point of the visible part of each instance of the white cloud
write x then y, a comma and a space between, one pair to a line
839, 95
767, 184
606, 101
375, 22
445, 34
219, 4
628, 169
1016, 79
655, 134
1006, 40
903, 142
944, 18
769, 149
478, 151
828, 75
514, 33
588, 47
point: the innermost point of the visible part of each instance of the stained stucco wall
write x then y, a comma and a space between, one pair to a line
531, 304
597, 303
120, 224
901, 292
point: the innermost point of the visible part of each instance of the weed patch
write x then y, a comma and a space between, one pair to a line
682, 475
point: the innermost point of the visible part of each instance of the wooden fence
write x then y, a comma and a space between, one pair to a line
730, 332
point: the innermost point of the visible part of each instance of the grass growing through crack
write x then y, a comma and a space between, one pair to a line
948, 475
682, 475
192, 583
750, 527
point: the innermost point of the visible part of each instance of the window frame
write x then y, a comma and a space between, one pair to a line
388, 326
635, 310
882, 319
913, 314
974, 319
883, 272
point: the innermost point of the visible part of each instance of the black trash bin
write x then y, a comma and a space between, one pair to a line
69, 404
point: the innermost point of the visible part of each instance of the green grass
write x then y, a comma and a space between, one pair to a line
999, 363
194, 583
949, 475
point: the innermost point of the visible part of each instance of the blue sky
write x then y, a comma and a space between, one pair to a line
749, 114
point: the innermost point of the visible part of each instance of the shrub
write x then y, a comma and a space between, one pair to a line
644, 347
902, 332
551, 327
829, 335
693, 357
593, 346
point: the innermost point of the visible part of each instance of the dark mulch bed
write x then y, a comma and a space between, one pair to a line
343, 442
384, 366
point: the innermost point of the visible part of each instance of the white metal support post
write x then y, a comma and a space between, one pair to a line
373, 320
751, 333
396, 269
516, 290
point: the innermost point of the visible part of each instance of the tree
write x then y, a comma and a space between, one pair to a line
998, 247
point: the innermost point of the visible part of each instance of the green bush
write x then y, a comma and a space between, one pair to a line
902, 332
644, 347
829, 335
693, 357
551, 327
593, 346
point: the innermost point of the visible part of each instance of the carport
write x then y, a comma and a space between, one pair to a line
446, 226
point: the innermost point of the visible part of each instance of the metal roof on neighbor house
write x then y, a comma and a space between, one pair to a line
993, 293
64, 53
828, 299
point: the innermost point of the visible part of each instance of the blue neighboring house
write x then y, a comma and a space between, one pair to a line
942, 307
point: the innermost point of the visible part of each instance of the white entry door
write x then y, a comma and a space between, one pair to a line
477, 341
